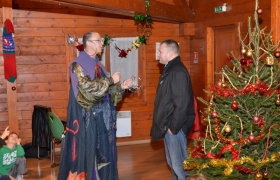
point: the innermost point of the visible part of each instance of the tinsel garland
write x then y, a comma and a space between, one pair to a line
227, 91
241, 141
231, 164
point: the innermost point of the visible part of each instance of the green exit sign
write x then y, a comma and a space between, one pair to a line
220, 9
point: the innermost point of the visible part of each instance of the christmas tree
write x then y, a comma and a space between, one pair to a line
242, 138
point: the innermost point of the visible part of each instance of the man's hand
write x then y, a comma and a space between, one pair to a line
5, 133
169, 131
126, 83
116, 77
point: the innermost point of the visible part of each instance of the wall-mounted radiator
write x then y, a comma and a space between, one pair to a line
123, 123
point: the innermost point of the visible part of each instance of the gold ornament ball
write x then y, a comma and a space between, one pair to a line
249, 53
243, 51
224, 84
227, 128
277, 102
258, 176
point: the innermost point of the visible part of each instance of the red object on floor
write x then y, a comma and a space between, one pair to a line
195, 132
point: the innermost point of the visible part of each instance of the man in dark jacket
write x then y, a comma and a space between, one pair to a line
173, 108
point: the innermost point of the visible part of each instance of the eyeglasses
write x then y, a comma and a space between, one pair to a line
99, 40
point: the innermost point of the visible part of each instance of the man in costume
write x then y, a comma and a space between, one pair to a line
89, 149
173, 108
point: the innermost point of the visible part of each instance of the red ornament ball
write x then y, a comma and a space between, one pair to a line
256, 118
234, 105
214, 114
277, 54
265, 174
259, 11
243, 61
252, 137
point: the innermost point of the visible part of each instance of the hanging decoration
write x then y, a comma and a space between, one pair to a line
72, 39
144, 22
144, 27
10, 71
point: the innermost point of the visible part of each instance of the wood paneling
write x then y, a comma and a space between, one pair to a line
43, 58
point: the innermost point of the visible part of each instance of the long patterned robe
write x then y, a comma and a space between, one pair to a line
89, 148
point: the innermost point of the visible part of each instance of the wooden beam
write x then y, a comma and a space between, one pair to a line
158, 10
6, 3
186, 29
275, 19
181, 3
11, 94
209, 76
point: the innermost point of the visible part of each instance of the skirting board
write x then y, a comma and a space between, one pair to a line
123, 143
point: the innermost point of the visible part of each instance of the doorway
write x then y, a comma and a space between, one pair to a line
221, 42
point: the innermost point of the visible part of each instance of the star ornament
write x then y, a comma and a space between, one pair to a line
135, 45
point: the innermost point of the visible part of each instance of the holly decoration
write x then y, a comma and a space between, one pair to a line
142, 39
144, 21
106, 40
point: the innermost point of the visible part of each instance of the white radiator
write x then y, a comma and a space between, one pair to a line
123, 123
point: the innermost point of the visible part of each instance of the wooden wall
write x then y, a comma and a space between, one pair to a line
42, 55
238, 12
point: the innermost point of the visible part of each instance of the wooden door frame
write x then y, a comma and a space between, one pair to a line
209, 68
275, 19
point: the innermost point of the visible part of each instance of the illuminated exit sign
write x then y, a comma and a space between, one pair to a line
220, 9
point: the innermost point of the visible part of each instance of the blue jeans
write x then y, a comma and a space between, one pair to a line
176, 152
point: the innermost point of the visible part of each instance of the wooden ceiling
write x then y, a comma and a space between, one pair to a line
176, 11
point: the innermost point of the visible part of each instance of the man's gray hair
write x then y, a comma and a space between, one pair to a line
86, 38
171, 45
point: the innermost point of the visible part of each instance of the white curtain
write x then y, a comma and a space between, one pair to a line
127, 66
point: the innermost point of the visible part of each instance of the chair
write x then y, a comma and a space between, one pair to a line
57, 130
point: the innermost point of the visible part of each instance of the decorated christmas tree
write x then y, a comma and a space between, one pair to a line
242, 138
